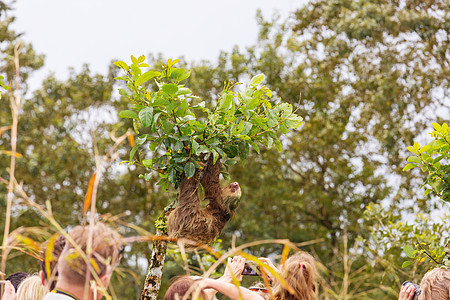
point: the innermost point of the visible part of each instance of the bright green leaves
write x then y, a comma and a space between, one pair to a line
180, 132
434, 158
128, 114
170, 88
189, 169
146, 115
146, 77
410, 253
256, 80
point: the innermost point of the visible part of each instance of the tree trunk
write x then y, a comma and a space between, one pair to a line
155, 268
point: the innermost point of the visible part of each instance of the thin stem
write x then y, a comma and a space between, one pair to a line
15, 104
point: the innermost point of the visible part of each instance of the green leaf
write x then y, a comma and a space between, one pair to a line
172, 106
247, 127
438, 159
163, 161
231, 150
137, 125
160, 101
152, 146
189, 169
413, 150
146, 116
238, 129
427, 191
243, 150
178, 146
128, 114
254, 146
414, 159
278, 145
294, 121
409, 251
167, 127
171, 62
424, 148
146, 77
142, 139
184, 76
133, 151
437, 127
183, 91
256, 80
195, 147
121, 64
155, 121
170, 88
135, 69
147, 163
409, 166
407, 263
226, 101
252, 103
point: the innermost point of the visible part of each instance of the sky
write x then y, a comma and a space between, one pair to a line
73, 32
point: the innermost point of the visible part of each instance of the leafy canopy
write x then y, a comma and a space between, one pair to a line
181, 131
434, 158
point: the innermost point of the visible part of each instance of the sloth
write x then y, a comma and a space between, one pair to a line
203, 225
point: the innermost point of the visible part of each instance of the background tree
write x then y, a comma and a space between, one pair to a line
365, 75
372, 76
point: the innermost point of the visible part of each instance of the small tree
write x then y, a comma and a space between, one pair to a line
180, 131
433, 158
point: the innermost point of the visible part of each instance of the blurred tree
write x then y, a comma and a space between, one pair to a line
371, 76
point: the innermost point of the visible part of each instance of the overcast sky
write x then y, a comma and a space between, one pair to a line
73, 32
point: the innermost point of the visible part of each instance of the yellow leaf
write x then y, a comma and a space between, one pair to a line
95, 265
131, 140
27, 242
88, 197
284, 254
10, 153
49, 254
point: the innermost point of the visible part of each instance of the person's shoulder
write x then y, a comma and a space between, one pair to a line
54, 296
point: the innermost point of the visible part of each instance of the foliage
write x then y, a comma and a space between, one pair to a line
3, 85
434, 158
393, 239
372, 76
181, 132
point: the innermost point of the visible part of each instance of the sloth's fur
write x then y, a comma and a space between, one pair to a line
203, 225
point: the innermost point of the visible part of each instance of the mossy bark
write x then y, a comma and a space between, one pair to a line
155, 268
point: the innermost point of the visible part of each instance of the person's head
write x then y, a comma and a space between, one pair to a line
106, 253
435, 285
299, 272
31, 289
180, 287
17, 278
260, 289
50, 254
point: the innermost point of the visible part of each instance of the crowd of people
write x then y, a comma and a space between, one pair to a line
66, 275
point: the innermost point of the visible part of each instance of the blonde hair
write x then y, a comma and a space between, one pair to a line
299, 272
31, 289
106, 247
435, 285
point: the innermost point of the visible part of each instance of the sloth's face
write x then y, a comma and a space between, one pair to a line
232, 189
231, 195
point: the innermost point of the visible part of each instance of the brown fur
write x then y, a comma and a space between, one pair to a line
203, 225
